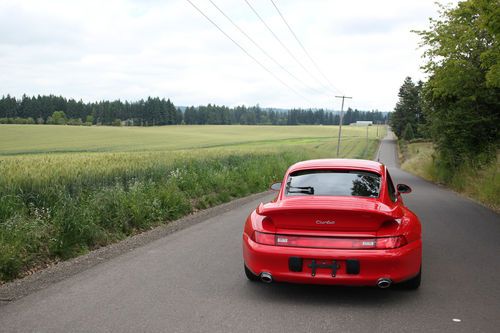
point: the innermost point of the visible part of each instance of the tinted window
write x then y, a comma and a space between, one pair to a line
391, 188
333, 182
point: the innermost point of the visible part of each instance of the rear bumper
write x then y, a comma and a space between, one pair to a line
396, 264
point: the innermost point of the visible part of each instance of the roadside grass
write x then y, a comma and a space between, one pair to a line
418, 159
481, 183
55, 206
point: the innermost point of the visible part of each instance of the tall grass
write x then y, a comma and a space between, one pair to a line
57, 206
479, 182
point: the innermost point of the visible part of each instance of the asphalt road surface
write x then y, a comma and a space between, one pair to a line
193, 281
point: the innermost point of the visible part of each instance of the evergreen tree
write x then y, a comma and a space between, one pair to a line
408, 132
408, 108
155, 111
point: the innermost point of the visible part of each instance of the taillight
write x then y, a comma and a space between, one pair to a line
391, 242
264, 238
330, 242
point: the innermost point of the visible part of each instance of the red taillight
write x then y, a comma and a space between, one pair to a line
264, 238
330, 242
391, 242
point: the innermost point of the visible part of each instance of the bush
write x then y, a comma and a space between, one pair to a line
75, 122
17, 120
57, 118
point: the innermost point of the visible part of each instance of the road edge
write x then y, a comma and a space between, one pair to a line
39, 280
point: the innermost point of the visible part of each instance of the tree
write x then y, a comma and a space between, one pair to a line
408, 132
461, 99
58, 118
408, 108
8, 107
89, 119
156, 111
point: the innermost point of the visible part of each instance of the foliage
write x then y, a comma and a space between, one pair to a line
22, 121
462, 96
480, 183
408, 110
74, 122
408, 133
155, 111
58, 118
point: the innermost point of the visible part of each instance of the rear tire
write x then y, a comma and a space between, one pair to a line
251, 276
413, 283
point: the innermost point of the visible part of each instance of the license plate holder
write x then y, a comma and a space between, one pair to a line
334, 265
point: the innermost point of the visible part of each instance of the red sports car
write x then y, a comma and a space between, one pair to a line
338, 222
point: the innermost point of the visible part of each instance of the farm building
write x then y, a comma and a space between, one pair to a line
363, 123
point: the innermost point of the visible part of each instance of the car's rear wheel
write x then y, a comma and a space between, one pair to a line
251, 276
413, 283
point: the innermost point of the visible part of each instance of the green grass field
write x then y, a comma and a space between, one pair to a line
28, 139
66, 190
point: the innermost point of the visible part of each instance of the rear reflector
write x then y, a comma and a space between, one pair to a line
329, 242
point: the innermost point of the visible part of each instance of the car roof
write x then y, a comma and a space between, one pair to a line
339, 163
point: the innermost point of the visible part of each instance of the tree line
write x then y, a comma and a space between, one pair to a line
458, 107
43, 110
154, 111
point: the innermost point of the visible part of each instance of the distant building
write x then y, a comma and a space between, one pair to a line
362, 123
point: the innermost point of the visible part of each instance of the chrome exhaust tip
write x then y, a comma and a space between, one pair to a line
266, 277
383, 283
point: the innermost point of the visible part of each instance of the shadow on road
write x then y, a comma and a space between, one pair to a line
328, 295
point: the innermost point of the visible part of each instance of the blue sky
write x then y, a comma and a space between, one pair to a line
117, 49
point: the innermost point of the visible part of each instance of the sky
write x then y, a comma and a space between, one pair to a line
131, 49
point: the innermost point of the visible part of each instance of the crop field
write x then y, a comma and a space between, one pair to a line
29, 139
66, 190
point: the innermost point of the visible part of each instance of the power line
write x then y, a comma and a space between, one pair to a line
303, 48
247, 53
263, 50
283, 45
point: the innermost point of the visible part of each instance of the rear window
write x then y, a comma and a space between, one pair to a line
333, 182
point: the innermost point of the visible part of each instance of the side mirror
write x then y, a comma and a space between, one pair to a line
276, 186
403, 188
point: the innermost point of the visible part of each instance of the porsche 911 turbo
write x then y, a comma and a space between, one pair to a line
336, 222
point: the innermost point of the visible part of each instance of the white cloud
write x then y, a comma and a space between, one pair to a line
132, 49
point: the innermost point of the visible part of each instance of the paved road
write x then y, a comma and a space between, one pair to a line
193, 281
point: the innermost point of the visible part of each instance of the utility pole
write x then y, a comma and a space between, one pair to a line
340, 124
